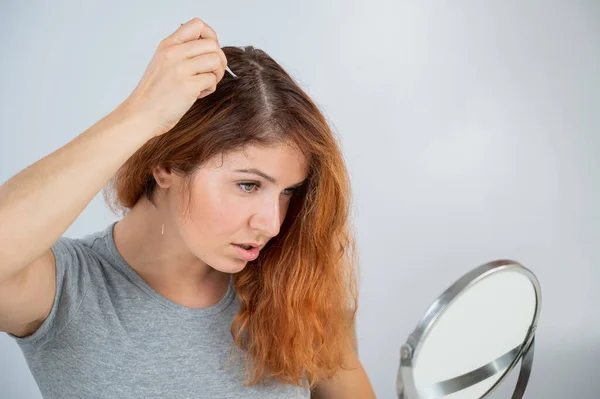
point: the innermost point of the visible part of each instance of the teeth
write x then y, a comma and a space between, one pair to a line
245, 246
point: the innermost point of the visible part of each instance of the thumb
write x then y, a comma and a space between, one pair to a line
193, 29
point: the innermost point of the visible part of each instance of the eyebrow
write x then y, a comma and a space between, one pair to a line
265, 176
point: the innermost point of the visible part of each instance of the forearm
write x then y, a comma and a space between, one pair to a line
38, 204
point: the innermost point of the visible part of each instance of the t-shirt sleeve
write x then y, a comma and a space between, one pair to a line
72, 277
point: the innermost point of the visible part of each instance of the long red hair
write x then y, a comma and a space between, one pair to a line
298, 300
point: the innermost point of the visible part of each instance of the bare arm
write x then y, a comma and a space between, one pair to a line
40, 203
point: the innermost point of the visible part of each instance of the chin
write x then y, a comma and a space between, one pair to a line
229, 265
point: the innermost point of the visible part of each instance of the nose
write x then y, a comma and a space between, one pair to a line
267, 219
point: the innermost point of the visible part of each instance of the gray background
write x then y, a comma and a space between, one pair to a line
471, 130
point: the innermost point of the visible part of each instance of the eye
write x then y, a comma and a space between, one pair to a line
248, 188
291, 191
243, 187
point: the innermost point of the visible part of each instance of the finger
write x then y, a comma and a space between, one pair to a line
191, 30
205, 63
197, 47
208, 91
223, 57
204, 84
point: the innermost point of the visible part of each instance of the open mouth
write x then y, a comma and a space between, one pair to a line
247, 252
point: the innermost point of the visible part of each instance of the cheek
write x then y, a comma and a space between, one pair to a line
215, 217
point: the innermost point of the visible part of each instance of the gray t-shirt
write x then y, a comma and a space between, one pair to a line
110, 335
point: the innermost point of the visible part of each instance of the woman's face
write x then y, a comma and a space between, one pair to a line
239, 198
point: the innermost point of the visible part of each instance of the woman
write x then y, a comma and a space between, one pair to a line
231, 273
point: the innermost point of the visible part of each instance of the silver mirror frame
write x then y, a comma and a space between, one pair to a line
405, 385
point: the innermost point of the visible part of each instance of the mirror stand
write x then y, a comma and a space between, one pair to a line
496, 369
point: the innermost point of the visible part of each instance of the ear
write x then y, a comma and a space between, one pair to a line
163, 176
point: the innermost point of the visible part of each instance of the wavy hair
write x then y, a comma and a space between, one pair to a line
298, 300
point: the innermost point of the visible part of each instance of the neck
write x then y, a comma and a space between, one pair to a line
163, 260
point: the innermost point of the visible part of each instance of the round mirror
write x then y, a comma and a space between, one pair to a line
473, 335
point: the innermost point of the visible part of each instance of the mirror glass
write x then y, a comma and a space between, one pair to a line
483, 328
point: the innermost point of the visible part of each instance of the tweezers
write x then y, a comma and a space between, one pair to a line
230, 72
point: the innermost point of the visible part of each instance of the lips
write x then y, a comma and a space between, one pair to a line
249, 244
247, 254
